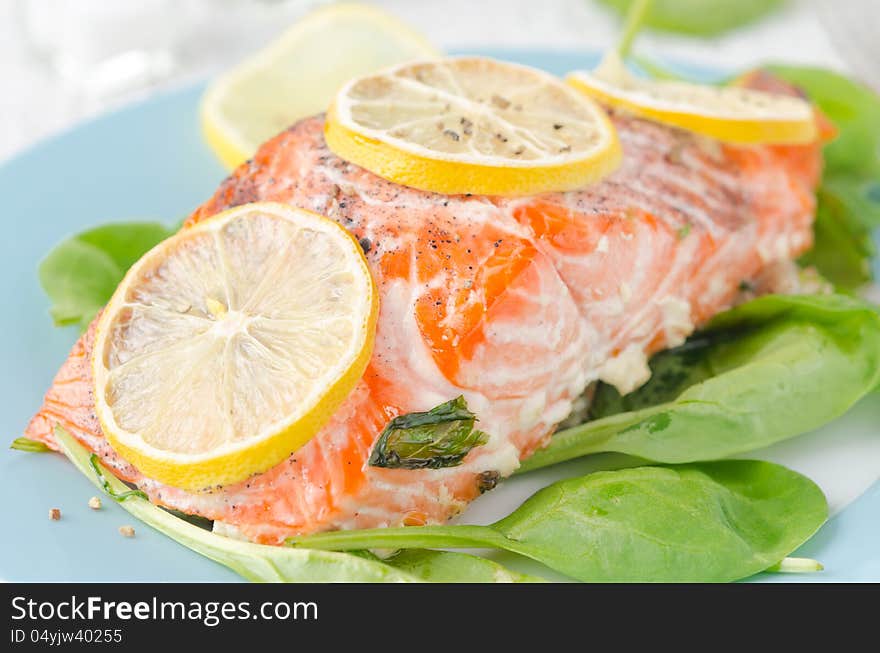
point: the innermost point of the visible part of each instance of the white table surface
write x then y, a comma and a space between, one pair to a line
34, 103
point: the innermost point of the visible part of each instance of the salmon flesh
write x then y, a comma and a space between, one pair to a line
518, 304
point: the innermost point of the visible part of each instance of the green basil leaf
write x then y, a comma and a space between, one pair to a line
706, 522
758, 375
80, 274
700, 17
440, 437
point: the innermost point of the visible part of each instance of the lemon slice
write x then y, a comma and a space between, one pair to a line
228, 346
727, 113
297, 75
472, 125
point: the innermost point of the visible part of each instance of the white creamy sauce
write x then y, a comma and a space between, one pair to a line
717, 287
611, 307
783, 246
626, 371
677, 323
557, 411
531, 410
582, 378
228, 530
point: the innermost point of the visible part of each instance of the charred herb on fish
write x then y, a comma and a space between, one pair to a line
440, 437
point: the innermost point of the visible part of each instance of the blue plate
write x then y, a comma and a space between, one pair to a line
148, 161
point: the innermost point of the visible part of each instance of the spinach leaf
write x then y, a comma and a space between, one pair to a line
452, 567
759, 374
196, 520
718, 521
26, 444
254, 562
849, 197
700, 17
796, 566
119, 497
80, 274
440, 437
842, 244
262, 563
852, 107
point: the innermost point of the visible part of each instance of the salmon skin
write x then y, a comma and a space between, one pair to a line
516, 303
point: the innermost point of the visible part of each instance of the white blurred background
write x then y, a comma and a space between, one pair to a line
62, 61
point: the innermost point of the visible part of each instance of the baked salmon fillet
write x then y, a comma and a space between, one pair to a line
518, 304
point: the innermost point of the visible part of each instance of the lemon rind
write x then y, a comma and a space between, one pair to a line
413, 165
232, 463
223, 138
451, 177
342, 115
764, 130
